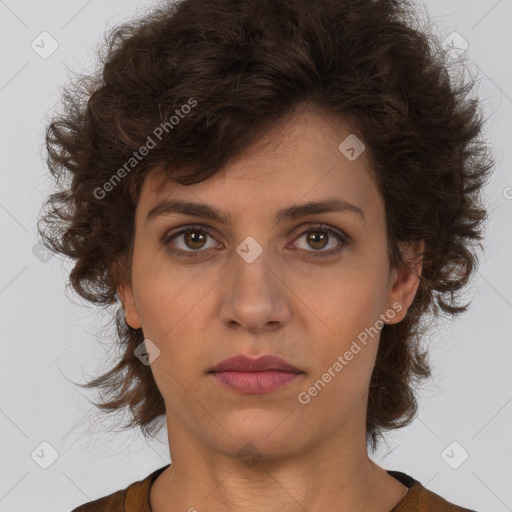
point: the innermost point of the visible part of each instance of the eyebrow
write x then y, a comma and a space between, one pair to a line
291, 212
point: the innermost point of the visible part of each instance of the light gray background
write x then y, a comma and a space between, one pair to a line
49, 338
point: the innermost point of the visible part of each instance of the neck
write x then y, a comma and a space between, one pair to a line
338, 475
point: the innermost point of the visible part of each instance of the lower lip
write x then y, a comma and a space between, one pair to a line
255, 382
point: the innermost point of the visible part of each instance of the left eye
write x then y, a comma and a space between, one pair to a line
319, 237
194, 239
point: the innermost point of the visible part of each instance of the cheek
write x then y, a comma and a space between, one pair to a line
172, 317
349, 310
169, 297
346, 353
347, 301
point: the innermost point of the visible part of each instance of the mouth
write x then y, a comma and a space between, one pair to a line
243, 363
254, 376
255, 383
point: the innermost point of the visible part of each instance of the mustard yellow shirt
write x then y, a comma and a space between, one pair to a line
135, 498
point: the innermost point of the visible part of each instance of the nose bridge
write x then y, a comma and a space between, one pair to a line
254, 297
252, 271
252, 255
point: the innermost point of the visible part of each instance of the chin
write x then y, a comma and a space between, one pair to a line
260, 434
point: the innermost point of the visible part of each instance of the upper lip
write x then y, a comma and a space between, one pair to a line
243, 363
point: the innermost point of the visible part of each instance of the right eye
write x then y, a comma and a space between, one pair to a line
193, 238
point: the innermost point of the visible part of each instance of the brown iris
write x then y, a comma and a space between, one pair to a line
314, 237
194, 237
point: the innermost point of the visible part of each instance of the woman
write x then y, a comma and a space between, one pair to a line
279, 193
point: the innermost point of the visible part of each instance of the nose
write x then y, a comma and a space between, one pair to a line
254, 297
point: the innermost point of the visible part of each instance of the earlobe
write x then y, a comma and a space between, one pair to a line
125, 294
406, 278
121, 275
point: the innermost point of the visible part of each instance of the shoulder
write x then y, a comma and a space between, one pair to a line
134, 497
431, 501
421, 499
112, 503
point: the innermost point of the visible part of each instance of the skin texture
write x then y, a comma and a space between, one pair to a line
304, 309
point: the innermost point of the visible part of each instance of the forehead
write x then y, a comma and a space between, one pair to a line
298, 160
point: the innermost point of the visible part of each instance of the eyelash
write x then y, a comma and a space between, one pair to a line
345, 239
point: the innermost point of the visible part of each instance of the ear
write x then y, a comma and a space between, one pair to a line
125, 293
404, 280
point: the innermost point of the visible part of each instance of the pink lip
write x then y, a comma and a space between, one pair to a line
255, 382
254, 376
260, 364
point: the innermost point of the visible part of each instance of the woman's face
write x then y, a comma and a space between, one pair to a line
257, 285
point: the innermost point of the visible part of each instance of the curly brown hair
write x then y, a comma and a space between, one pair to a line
242, 66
